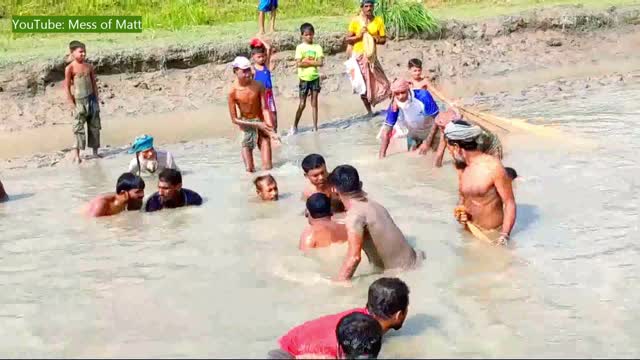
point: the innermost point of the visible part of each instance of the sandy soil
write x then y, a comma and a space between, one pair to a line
488, 69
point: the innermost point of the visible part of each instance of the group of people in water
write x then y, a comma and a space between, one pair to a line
338, 210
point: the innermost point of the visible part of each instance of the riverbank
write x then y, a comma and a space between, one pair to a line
542, 54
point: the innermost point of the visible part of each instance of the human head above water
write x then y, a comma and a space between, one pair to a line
319, 206
266, 187
132, 188
461, 137
307, 31
388, 301
346, 180
78, 50
315, 169
359, 337
400, 89
169, 186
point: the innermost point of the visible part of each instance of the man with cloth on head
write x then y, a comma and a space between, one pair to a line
148, 159
486, 195
411, 114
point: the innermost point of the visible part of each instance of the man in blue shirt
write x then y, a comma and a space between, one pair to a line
412, 115
170, 193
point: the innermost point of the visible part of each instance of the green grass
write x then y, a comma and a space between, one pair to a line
177, 14
326, 15
406, 17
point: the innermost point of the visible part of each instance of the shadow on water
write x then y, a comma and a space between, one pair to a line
527, 216
16, 197
416, 325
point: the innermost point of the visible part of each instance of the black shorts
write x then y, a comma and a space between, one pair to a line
306, 87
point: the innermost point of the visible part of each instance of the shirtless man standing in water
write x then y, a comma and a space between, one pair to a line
486, 195
369, 228
255, 121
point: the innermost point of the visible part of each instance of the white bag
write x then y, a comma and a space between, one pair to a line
355, 76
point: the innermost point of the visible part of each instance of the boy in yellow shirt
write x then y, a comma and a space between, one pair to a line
309, 57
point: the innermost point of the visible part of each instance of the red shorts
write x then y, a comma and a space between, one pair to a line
270, 100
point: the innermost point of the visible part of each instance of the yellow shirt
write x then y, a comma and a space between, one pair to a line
375, 27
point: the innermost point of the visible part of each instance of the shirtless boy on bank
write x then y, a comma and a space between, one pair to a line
486, 193
255, 121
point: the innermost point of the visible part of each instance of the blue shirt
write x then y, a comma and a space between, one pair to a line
190, 198
263, 76
424, 98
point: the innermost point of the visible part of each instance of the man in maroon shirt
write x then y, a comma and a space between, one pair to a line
388, 303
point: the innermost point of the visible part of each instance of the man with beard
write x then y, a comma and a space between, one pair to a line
412, 115
170, 193
388, 303
148, 158
486, 195
128, 196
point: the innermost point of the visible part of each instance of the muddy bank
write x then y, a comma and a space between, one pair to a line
179, 104
564, 18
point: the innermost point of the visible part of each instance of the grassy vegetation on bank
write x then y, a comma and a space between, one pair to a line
220, 20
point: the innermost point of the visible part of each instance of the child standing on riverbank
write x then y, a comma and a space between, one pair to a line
265, 6
83, 100
417, 80
261, 53
309, 57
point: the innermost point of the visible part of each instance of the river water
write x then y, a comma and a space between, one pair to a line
226, 279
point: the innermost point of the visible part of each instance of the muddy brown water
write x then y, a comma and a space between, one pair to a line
226, 279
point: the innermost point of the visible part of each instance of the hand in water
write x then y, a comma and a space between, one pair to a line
460, 213
423, 149
503, 239
342, 283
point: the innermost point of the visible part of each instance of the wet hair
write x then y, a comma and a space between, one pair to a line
359, 336
387, 296
129, 181
511, 172
75, 44
469, 145
346, 179
307, 27
258, 50
171, 176
312, 162
319, 206
259, 179
415, 63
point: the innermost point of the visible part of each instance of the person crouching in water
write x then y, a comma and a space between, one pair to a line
128, 196
322, 231
412, 115
387, 303
359, 337
171, 194
148, 159
3, 194
266, 188
486, 194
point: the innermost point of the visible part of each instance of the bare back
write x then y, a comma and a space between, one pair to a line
383, 242
323, 234
477, 187
248, 100
102, 205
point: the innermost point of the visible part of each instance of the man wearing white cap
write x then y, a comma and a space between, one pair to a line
486, 195
247, 97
